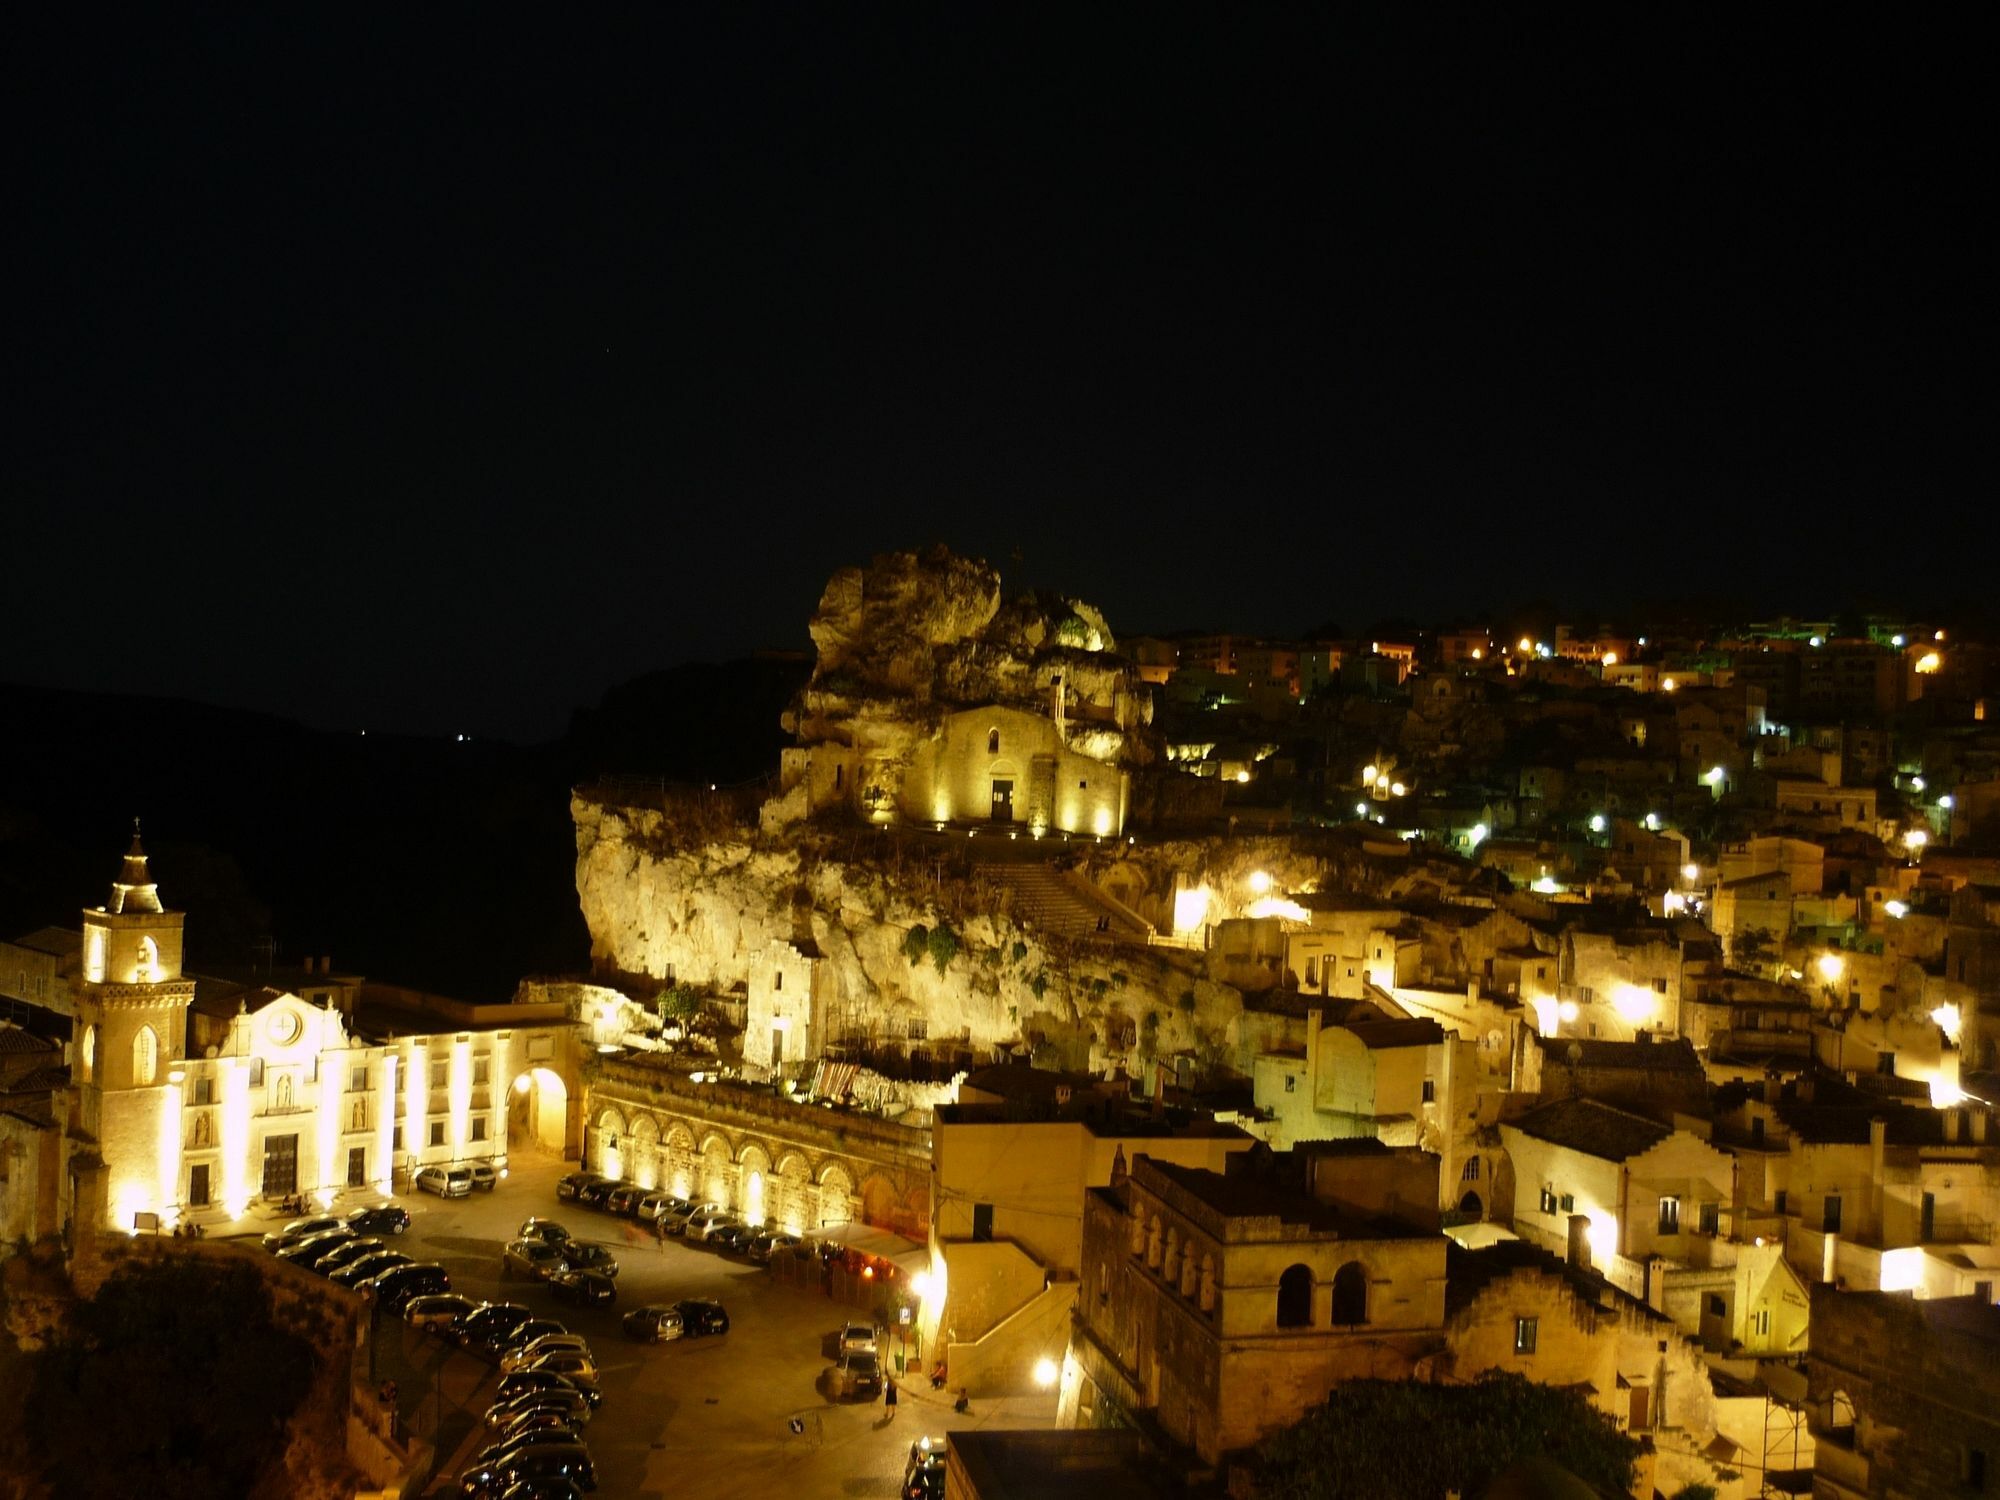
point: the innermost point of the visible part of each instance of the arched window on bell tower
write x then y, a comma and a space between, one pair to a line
145, 1058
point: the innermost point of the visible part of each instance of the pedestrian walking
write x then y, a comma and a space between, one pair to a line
889, 1397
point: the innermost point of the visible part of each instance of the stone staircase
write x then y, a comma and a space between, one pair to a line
1054, 902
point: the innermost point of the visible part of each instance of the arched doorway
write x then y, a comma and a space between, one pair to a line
678, 1165
1350, 1294
1295, 1297
642, 1158
1470, 1204
717, 1172
754, 1178
789, 1195
836, 1199
607, 1145
538, 1112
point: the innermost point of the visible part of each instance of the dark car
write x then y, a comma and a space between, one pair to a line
347, 1252
624, 1200
357, 1271
503, 1414
311, 1250
554, 1426
580, 1257
569, 1461
528, 1332
542, 1229
298, 1229
764, 1246
521, 1382
860, 1372
589, 1288
571, 1184
733, 1238
653, 1324
488, 1322
597, 1190
485, 1176
923, 1475
383, 1218
701, 1315
397, 1285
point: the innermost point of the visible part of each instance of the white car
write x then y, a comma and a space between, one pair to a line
548, 1343
858, 1338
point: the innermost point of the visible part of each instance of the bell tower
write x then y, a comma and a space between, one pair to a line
131, 1033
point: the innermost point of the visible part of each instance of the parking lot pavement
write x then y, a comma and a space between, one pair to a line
701, 1417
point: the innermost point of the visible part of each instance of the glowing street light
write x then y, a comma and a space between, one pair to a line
1896, 909
1259, 882
1690, 873
1831, 966
1917, 783
1597, 822
1524, 646
1045, 1372
1368, 774
1946, 802
1929, 662
1653, 822
1611, 658
1915, 839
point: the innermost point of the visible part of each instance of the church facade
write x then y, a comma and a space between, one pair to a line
204, 1095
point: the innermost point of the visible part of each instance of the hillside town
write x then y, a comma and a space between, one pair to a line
1163, 1032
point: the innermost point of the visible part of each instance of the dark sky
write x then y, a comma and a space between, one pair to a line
438, 372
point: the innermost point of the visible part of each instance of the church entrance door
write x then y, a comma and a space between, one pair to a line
281, 1165
1003, 801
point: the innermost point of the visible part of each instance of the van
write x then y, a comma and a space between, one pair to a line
446, 1182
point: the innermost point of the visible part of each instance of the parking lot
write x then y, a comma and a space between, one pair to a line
751, 1412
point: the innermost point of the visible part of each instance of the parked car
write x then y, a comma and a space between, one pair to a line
446, 1182
542, 1229
651, 1205
571, 1184
511, 1443
732, 1238
675, 1221
528, 1355
485, 1176
923, 1475
653, 1324
489, 1321
397, 1285
578, 1256
357, 1271
510, 1409
701, 1226
762, 1247
436, 1310
595, 1191
520, 1336
554, 1425
383, 1218
523, 1381
855, 1336
298, 1229
860, 1372
314, 1248
569, 1461
348, 1251
623, 1200
701, 1315
536, 1258
576, 1364
587, 1288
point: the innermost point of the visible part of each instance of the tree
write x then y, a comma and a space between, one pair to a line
1405, 1440
678, 1002
175, 1380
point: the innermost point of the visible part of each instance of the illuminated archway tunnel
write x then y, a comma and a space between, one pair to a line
538, 1112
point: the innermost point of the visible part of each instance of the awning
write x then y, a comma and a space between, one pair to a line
867, 1239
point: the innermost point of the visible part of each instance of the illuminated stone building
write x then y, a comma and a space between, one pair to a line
202, 1094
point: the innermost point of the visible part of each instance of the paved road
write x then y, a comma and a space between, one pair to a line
705, 1417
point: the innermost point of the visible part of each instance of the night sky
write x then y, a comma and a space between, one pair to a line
437, 372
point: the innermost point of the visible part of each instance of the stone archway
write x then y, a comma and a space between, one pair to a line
607, 1144
1471, 1205
718, 1172
538, 1112
835, 1200
642, 1159
679, 1165
791, 1193
754, 1189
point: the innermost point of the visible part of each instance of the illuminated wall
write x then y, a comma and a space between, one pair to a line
951, 778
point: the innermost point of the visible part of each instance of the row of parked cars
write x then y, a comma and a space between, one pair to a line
350, 1249
547, 1395
575, 1271
699, 1223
